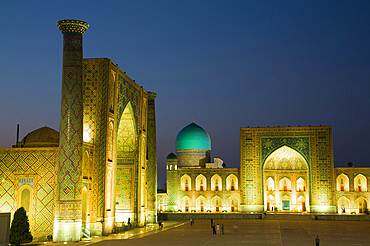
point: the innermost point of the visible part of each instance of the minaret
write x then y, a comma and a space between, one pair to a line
68, 204
152, 160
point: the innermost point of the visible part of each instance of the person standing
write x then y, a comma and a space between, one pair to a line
218, 229
222, 229
191, 221
317, 240
213, 227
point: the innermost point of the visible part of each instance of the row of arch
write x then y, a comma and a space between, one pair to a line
286, 203
214, 204
344, 205
216, 183
359, 183
285, 184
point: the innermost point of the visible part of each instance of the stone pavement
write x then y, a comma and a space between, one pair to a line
131, 234
250, 232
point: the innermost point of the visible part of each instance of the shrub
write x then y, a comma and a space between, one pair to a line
20, 228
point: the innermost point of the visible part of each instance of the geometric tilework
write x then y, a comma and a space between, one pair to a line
124, 188
128, 93
152, 154
70, 146
102, 81
19, 164
285, 158
258, 143
69, 176
96, 78
301, 144
126, 135
90, 80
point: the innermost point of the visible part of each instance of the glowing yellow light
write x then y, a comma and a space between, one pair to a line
283, 156
86, 136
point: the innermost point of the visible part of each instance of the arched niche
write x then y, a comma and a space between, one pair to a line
232, 204
285, 184
200, 183
270, 184
360, 183
301, 203
186, 204
216, 183
232, 182
361, 205
342, 182
25, 198
301, 184
185, 183
216, 204
343, 204
201, 204
126, 136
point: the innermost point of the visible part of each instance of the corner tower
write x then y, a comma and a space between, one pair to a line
68, 207
172, 183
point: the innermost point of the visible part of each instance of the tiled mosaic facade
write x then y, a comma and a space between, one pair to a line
32, 168
281, 168
101, 165
258, 143
193, 158
352, 189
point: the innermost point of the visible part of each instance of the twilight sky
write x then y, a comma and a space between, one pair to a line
225, 64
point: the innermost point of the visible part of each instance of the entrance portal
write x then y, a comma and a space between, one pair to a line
285, 176
285, 205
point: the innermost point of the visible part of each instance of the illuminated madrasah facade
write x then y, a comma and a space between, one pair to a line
100, 169
284, 169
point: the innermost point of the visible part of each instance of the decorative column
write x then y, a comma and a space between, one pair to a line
68, 204
152, 160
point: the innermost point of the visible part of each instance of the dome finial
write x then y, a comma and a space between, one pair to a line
192, 121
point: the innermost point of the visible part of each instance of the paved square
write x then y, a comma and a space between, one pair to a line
258, 232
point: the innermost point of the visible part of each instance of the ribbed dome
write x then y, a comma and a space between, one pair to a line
171, 156
193, 137
42, 137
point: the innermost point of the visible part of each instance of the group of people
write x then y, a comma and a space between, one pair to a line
217, 229
191, 222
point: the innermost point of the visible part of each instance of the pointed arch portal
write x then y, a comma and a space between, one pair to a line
126, 151
126, 135
287, 171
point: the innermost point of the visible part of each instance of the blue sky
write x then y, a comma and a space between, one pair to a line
225, 64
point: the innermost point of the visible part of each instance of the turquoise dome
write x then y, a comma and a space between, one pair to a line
171, 156
193, 137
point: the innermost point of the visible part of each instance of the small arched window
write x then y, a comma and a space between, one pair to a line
26, 199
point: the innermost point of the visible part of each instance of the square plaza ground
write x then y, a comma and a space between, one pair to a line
255, 232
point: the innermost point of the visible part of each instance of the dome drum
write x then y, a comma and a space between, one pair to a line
193, 158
